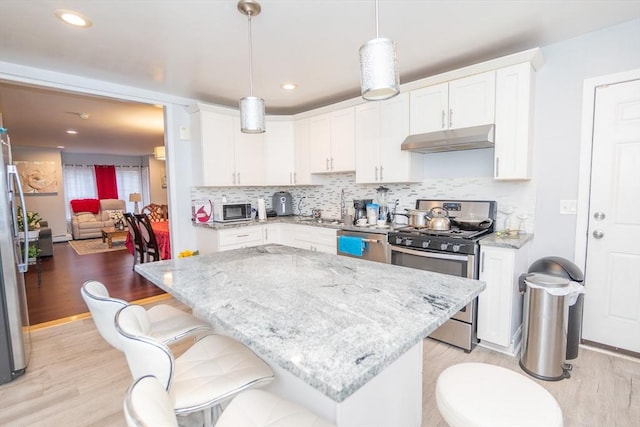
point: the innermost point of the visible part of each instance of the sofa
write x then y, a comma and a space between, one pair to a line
89, 216
45, 240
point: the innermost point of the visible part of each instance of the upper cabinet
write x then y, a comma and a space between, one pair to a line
380, 129
468, 101
227, 157
332, 141
279, 152
514, 122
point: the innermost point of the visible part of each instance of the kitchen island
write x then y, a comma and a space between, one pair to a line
343, 335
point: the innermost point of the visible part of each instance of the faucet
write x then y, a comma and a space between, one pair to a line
299, 205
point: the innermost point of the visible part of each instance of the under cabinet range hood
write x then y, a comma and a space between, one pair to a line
451, 140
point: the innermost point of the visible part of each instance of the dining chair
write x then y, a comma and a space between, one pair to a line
136, 239
155, 212
147, 403
167, 324
213, 370
151, 249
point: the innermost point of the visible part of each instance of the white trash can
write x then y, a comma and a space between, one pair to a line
545, 318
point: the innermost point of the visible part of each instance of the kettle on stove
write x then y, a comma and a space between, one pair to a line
281, 203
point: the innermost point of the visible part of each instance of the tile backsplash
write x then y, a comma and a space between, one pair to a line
520, 196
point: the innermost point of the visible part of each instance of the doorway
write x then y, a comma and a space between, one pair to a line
608, 233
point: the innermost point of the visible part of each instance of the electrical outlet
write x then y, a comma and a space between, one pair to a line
568, 207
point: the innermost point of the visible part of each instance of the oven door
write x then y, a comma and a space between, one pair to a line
460, 265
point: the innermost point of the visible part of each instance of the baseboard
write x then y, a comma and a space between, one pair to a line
61, 238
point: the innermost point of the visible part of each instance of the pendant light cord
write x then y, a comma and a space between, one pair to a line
377, 35
250, 58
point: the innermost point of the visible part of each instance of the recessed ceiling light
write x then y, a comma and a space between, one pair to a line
73, 18
72, 132
60, 146
288, 86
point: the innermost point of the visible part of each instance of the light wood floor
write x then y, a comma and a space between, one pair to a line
76, 379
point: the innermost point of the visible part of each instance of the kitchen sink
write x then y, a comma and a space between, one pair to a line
331, 221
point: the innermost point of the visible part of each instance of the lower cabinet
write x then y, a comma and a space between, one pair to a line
298, 236
500, 304
314, 238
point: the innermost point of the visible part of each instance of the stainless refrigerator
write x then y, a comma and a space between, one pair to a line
15, 341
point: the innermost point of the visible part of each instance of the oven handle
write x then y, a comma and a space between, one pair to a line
430, 254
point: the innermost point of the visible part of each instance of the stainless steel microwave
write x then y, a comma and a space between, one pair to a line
227, 212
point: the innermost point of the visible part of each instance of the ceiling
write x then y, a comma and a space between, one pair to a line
198, 49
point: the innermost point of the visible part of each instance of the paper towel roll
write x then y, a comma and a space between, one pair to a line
262, 211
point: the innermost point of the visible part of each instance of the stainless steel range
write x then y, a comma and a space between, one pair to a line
454, 250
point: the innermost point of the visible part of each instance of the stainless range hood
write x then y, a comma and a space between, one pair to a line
451, 140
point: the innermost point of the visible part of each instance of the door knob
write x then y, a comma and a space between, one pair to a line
598, 234
599, 216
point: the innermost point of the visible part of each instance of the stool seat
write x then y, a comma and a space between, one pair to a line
483, 395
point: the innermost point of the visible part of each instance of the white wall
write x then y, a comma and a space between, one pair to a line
558, 110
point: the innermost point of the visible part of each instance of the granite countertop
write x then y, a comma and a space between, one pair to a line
300, 220
515, 241
334, 322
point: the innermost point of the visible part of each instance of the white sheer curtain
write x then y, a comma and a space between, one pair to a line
80, 183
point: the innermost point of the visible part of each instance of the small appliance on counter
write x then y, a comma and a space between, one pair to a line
282, 203
360, 209
228, 212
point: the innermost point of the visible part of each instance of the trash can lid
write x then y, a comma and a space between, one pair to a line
540, 280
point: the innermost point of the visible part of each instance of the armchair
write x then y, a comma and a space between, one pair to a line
45, 240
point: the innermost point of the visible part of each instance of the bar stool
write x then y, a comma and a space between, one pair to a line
483, 395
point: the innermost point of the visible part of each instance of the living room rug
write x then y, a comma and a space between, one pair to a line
95, 246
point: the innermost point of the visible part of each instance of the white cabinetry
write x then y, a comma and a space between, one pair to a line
314, 238
500, 304
380, 129
469, 101
211, 240
332, 141
514, 122
227, 156
302, 171
279, 152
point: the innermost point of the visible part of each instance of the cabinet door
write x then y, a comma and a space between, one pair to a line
241, 237
279, 153
514, 115
368, 142
320, 143
343, 140
218, 162
495, 303
397, 165
249, 156
429, 109
302, 173
472, 100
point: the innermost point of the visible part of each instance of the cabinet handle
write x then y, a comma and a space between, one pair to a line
482, 262
450, 117
233, 175
242, 235
497, 167
376, 168
380, 172
295, 178
266, 234
238, 178
290, 178
327, 163
332, 163
443, 115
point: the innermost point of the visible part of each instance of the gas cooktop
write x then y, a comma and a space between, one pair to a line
455, 233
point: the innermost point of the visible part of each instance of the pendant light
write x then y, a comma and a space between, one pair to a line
379, 77
251, 107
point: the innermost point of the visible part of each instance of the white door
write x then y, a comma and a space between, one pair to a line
612, 277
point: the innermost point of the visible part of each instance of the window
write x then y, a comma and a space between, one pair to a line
80, 183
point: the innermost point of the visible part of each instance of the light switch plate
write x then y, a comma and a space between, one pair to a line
568, 207
185, 134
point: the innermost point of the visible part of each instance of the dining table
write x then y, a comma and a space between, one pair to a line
161, 232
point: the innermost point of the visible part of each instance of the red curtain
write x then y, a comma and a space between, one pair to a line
106, 182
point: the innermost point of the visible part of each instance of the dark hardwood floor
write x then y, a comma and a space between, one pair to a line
64, 273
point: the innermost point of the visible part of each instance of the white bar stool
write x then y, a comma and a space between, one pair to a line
482, 395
